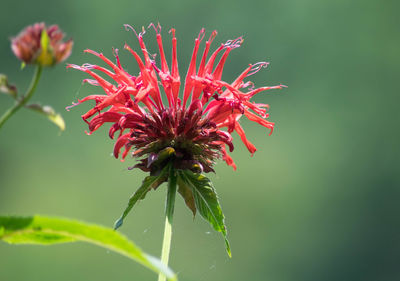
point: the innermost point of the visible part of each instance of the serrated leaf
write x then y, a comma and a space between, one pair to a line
49, 112
148, 183
7, 88
187, 194
48, 231
206, 201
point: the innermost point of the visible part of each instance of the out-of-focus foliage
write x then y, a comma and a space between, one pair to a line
41, 230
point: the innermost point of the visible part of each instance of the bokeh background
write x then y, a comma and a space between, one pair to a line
318, 201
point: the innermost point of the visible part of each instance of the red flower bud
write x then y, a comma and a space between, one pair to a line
38, 44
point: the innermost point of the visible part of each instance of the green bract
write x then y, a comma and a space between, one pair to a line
197, 191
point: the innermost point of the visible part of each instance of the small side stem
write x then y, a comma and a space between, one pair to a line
29, 93
169, 212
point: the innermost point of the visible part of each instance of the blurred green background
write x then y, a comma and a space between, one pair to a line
318, 201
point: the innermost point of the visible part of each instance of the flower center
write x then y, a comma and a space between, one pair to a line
180, 136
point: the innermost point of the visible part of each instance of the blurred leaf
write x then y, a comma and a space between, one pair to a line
49, 112
148, 183
47, 231
6, 88
206, 201
23, 65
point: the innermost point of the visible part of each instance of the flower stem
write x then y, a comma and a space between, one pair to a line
169, 212
21, 102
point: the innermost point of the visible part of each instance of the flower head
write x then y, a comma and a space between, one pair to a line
38, 44
150, 118
176, 137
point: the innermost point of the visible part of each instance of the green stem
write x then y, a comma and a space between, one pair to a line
169, 212
29, 93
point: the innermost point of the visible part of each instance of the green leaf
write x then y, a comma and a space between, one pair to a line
186, 192
49, 112
206, 201
47, 231
171, 194
7, 88
148, 183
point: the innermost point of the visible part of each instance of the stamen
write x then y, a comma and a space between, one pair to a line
91, 82
172, 30
74, 66
115, 53
202, 33
212, 36
129, 27
157, 29
257, 67
88, 66
232, 44
68, 108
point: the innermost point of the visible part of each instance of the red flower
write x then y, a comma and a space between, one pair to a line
43, 45
197, 126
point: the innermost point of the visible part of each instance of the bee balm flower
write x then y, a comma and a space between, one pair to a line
157, 124
176, 137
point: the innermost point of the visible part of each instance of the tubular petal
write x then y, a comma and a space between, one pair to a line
197, 128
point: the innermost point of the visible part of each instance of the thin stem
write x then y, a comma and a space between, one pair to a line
29, 93
169, 212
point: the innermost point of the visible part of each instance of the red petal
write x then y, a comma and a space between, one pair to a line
121, 141
253, 117
242, 135
100, 119
192, 69
174, 69
227, 158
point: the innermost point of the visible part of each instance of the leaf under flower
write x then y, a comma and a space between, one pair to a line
148, 183
186, 192
206, 201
